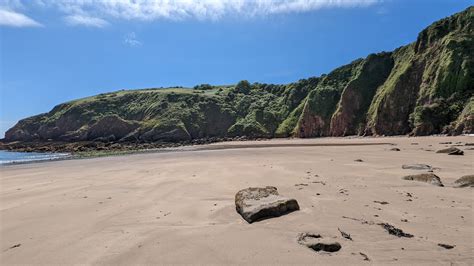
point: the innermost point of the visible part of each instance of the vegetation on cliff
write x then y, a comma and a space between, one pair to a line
426, 87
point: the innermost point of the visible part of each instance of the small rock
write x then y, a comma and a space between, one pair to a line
427, 178
255, 203
326, 246
358, 160
417, 166
465, 181
446, 246
395, 149
451, 151
381, 202
447, 142
317, 243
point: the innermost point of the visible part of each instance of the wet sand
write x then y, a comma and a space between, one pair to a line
178, 207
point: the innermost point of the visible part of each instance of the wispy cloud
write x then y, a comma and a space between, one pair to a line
147, 10
131, 40
98, 13
80, 20
15, 19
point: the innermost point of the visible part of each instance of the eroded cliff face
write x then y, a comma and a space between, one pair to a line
423, 88
350, 116
395, 99
321, 102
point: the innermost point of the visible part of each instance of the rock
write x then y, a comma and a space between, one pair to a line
358, 160
111, 125
395, 231
317, 243
465, 181
395, 149
256, 203
417, 166
427, 178
446, 246
451, 151
326, 246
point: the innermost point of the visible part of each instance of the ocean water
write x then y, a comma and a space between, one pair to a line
10, 157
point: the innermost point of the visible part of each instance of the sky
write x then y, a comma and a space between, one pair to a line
55, 51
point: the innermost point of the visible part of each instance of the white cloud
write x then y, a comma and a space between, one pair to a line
15, 19
97, 13
131, 40
150, 10
80, 20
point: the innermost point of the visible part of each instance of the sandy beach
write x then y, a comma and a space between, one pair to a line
178, 207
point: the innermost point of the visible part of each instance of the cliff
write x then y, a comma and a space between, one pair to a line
426, 87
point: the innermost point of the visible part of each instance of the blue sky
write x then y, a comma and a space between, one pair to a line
55, 51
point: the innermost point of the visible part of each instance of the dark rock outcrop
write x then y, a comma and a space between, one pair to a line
111, 125
255, 203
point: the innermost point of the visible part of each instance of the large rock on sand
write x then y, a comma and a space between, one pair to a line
256, 204
451, 151
465, 181
427, 178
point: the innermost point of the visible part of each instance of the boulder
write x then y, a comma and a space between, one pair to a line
395, 149
427, 178
465, 181
417, 166
451, 151
256, 203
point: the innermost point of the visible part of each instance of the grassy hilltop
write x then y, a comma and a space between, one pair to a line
426, 87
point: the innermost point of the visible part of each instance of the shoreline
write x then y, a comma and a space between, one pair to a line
219, 145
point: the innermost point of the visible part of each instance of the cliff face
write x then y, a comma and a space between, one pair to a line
423, 88
350, 118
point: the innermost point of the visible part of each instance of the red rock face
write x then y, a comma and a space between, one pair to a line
311, 126
342, 122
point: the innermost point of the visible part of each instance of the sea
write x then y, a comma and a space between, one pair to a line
11, 157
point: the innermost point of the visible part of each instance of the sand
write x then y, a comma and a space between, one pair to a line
178, 207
